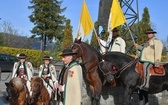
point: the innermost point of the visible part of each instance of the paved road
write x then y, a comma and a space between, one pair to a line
5, 77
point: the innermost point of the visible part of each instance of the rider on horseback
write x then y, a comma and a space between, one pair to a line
150, 54
48, 73
23, 69
113, 43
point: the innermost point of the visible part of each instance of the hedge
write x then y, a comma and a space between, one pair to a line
34, 56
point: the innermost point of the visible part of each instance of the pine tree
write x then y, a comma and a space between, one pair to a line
68, 38
47, 19
94, 42
144, 25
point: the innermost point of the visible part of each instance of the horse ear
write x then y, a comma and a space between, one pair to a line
78, 40
7, 84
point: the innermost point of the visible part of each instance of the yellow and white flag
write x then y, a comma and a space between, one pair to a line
116, 16
85, 24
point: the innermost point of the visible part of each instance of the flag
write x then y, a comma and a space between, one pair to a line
116, 16
85, 24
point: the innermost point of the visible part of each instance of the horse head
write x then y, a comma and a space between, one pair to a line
108, 69
36, 86
14, 87
76, 48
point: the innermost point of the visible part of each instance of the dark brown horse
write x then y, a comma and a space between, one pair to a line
40, 95
90, 58
16, 91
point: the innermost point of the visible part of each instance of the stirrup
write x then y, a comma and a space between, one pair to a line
144, 88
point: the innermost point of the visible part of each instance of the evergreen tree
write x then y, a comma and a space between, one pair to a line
68, 38
140, 29
94, 42
86, 41
47, 19
56, 49
144, 25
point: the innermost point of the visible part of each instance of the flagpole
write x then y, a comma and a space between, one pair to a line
96, 38
96, 35
130, 32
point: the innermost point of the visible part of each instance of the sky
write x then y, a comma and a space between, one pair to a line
16, 12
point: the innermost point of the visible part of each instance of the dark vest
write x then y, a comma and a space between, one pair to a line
21, 71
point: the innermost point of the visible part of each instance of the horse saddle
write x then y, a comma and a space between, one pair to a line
156, 71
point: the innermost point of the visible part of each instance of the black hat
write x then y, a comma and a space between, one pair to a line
67, 52
149, 31
47, 58
21, 56
115, 30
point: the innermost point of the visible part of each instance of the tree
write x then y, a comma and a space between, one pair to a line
47, 19
2, 42
10, 37
144, 25
68, 38
94, 42
140, 29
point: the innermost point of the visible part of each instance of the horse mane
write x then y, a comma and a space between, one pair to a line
17, 83
93, 50
117, 56
39, 92
16, 91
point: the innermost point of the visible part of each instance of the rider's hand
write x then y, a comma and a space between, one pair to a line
60, 88
25, 78
44, 76
136, 57
98, 38
157, 65
57, 85
135, 44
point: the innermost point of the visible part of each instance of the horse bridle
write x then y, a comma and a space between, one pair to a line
119, 72
78, 46
109, 71
82, 53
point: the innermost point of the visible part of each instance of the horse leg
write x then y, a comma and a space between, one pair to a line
143, 97
95, 97
146, 98
127, 96
92, 94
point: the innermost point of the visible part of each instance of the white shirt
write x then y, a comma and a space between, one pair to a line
118, 44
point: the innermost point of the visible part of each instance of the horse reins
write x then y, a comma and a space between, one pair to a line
120, 70
106, 68
125, 67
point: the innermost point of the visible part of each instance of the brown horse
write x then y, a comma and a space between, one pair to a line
16, 91
90, 58
40, 94
121, 68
